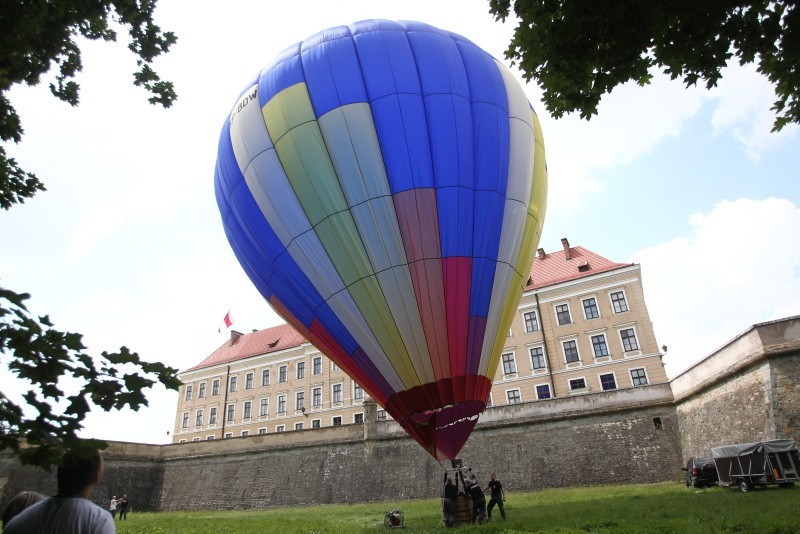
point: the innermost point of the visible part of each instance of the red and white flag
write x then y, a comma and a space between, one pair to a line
228, 321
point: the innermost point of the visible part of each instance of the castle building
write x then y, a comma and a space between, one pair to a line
582, 327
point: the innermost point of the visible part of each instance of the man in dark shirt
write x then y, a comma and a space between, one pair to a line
449, 503
478, 501
498, 496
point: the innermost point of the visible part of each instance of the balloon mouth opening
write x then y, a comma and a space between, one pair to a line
443, 431
446, 416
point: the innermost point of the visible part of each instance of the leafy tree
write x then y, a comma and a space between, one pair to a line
37, 37
579, 50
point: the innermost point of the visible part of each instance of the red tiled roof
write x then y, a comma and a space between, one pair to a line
554, 268
242, 346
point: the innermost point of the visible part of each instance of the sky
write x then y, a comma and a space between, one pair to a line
126, 245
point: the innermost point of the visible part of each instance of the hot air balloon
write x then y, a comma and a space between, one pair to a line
383, 185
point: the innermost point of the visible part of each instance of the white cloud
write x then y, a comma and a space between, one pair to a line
740, 266
743, 100
630, 122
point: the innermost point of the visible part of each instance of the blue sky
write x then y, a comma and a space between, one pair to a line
126, 246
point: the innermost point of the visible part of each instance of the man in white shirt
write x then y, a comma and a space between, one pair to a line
70, 511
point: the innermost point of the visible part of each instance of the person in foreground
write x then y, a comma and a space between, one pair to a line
69, 511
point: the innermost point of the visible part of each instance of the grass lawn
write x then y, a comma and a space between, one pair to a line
643, 509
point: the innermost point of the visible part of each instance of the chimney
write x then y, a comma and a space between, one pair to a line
235, 336
565, 243
541, 253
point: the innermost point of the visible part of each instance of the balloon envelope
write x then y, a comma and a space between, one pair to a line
383, 185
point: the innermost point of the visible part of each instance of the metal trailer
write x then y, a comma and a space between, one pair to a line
758, 464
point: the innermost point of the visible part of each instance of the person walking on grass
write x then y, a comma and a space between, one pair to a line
123, 508
498, 497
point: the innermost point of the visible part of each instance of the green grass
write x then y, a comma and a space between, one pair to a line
653, 508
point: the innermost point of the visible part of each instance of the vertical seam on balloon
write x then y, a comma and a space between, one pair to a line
436, 332
408, 319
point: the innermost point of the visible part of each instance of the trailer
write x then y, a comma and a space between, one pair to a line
749, 465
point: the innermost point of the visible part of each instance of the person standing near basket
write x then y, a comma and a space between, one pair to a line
498, 497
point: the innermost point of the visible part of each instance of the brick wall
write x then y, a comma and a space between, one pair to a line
255, 472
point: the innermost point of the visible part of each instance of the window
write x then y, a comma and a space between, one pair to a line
198, 418
381, 415
215, 387
185, 423
262, 431
628, 337
209, 438
301, 370
316, 397
337, 421
358, 392
232, 385
317, 365
280, 428
509, 364
282, 404
562, 314
282, 374
315, 423
608, 382
571, 351
248, 381
513, 396
229, 418
212, 416
337, 393
590, 308
618, 302
537, 358
577, 383
188, 396
300, 400
195, 439
201, 393
228, 434
298, 426
639, 377
264, 409
358, 418
265, 377
531, 321
489, 401
248, 409
543, 391
599, 346
245, 432
334, 367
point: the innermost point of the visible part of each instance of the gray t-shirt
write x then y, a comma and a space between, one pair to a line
62, 515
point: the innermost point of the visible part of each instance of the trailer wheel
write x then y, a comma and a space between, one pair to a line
744, 485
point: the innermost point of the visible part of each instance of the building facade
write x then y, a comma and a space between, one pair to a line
582, 327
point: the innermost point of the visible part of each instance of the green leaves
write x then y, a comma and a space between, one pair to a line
36, 36
578, 51
48, 362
